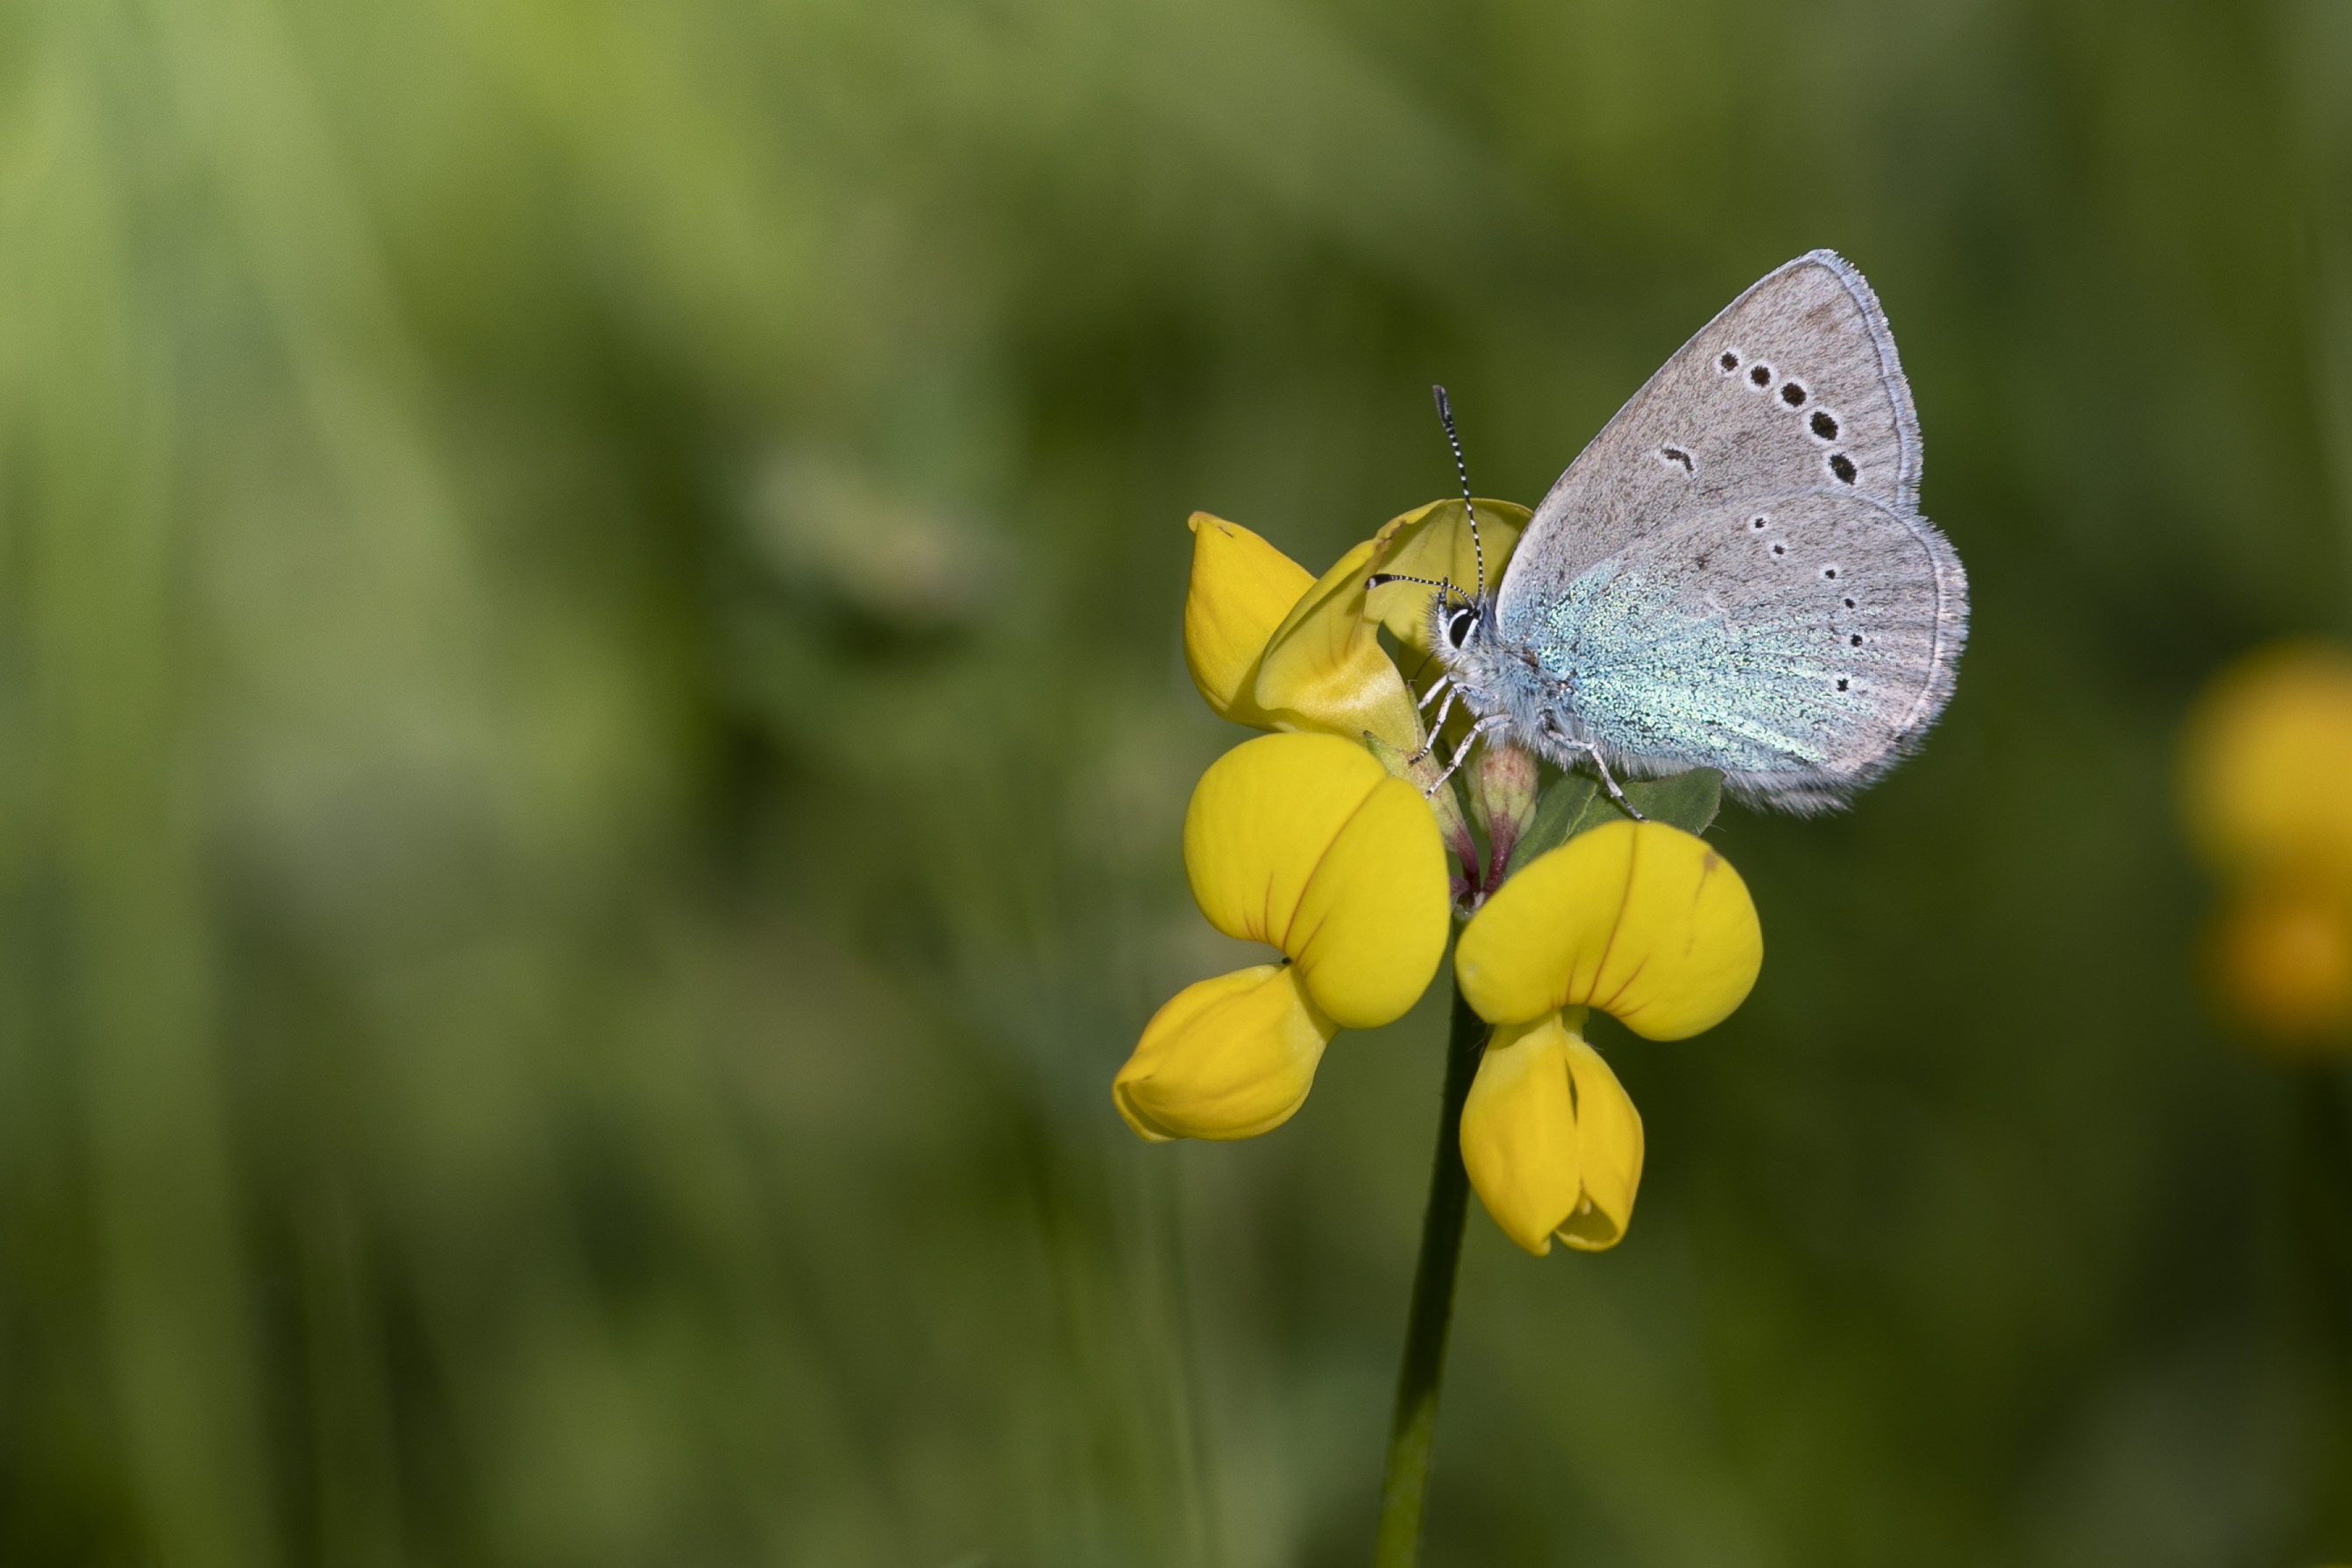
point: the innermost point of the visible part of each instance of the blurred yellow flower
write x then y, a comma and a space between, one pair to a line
1551, 1142
1305, 843
2281, 958
1639, 919
2264, 759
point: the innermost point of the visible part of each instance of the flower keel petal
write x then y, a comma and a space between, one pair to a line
1608, 1141
1519, 1135
1228, 1057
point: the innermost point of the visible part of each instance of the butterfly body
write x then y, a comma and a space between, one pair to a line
1734, 574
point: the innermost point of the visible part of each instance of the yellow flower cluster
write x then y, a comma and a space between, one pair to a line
2264, 759
1329, 841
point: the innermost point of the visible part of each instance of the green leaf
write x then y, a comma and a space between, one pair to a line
1687, 801
1562, 811
1577, 804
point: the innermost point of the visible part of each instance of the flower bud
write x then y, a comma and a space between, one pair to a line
1503, 797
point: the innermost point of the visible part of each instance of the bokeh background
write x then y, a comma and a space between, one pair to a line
592, 729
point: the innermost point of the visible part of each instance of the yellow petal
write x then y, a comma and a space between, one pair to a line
1638, 919
1240, 589
1228, 1057
1609, 1145
1325, 669
1307, 843
1520, 1133
1371, 925
1433, 541
2265, 758
1551, 1142
1259, 822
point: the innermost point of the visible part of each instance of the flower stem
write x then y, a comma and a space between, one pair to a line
1406, 1480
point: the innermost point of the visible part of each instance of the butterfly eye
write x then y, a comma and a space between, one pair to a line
1458, 624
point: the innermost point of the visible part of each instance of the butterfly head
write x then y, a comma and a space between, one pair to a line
1462, 632
1495, 674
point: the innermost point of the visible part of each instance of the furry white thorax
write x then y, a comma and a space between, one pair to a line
1495, 681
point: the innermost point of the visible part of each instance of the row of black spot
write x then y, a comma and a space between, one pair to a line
1828, 574
1823, 424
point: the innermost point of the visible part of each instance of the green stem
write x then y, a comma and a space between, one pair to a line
1406, 1480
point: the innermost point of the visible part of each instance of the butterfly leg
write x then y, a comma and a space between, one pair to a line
1435, 686
1443, 708
1600, 766
1462, 752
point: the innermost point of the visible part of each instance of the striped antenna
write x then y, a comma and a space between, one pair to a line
1462, 471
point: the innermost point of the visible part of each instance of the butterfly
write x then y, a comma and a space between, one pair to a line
1735, 573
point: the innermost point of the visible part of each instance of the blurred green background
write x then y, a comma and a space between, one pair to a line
592, 730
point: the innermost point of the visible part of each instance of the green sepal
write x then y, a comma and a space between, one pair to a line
1577, 804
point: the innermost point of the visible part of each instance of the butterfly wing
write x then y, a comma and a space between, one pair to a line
1802, 644
1794, 387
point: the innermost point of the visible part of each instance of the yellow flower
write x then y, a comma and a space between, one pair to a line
1305, 843
1269, 648
2263, 760
1639, 919
1553, 1144
1319, 841
2280, 960
2266, 757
